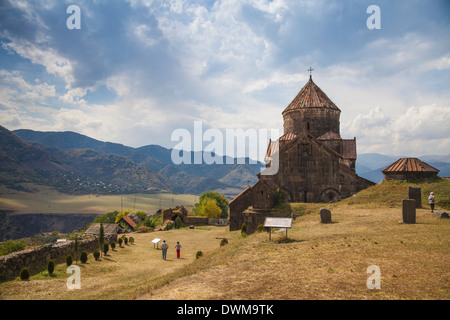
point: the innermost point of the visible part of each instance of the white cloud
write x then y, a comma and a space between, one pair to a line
54, 63
16, 92
420, 130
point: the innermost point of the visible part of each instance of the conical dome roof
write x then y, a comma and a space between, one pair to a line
311, 96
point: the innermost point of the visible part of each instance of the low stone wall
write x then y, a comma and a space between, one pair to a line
36, 258
197, 220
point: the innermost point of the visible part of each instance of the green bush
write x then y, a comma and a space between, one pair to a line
198, 254
260, 228
69, 260
120, 242
113, 245
96, 254
244, 228
50, 267
105, 248
11, 246
125, 240
177, 223
24, 274
83, 257
131, 240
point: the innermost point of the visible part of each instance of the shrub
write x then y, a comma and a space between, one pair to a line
244, 228
223, 242
144, 229
125, 240
69, 260
198, 254
50, 267
24, 274
83, 257
177, 223
105, 248
96, 254
11, 246
113, 245
260, 228
120, 242
131, 240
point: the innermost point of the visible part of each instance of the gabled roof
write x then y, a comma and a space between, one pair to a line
330, 135
409, 165
108, 228
311, 96
128, 220
240, 194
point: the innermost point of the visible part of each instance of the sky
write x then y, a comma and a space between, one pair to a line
138, 70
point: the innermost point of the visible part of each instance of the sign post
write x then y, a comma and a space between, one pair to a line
271, 222
156, 241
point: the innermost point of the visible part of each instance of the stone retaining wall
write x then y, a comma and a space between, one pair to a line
36, 258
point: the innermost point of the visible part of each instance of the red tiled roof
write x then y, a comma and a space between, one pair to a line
311, 96
129, 221
409, 165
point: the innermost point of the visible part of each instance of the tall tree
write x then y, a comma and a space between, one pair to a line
209, 208
75, 249
101, 238
220, 200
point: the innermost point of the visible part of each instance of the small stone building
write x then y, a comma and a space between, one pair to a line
409, 169
110, 230
173, 213
311, 162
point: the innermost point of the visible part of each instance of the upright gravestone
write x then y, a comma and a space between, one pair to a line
416, 194
325, 215
409, 211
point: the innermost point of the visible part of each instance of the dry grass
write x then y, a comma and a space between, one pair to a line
124, 273
317, 261
328, 261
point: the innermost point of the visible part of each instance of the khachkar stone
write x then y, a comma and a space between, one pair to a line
325, 215
416, 194
409, 211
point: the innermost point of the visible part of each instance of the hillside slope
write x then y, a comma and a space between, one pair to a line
329, 261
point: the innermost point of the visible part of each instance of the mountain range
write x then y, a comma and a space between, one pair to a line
77, 164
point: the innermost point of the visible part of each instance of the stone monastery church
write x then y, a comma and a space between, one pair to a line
309, 163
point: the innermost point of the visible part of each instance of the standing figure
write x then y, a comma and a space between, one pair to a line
164, 247
178, 247
431, 201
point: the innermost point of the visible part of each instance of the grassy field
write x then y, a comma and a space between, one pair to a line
47, 200
316, 261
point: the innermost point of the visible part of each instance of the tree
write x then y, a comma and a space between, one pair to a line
101, 238
220, 199
210, 209
177, 223
75, 249
122, 214
110, 217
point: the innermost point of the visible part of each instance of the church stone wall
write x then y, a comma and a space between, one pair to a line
317, 121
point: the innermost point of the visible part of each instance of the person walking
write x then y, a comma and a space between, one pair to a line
164, 247
431, 201
178, 247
